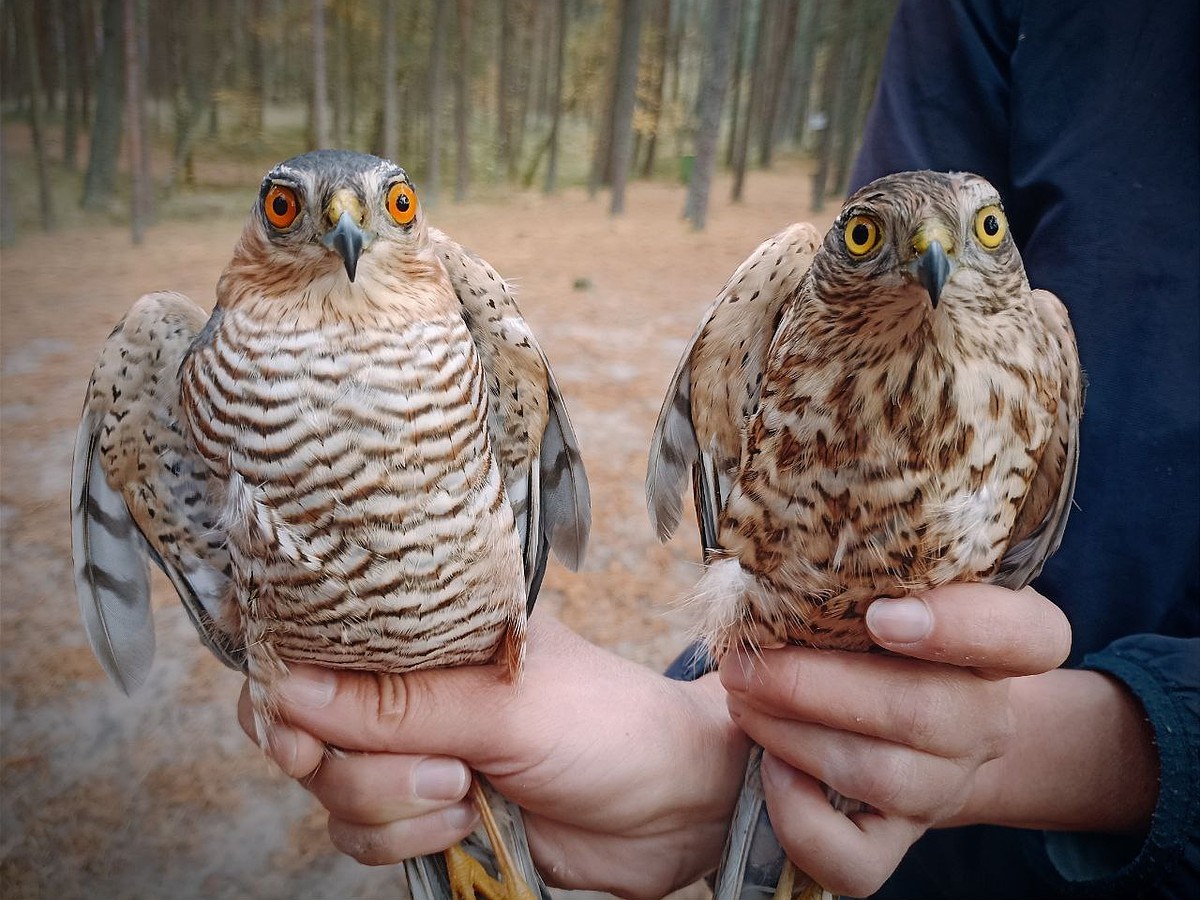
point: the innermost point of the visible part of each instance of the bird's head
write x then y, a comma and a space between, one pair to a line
333, 205
327, 219
914, 240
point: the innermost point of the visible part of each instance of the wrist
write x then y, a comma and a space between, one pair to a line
1083, 759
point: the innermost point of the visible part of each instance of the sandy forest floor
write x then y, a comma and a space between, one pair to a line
161, 795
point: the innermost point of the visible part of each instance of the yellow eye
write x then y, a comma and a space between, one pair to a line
991, 226
281, 205
402, 202
862, 235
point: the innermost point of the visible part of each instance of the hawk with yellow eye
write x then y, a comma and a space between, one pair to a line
881, 411
360, 460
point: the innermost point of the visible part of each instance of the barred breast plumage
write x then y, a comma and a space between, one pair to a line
364, 508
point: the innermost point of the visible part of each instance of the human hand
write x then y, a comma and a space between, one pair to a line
909, 735
627, 779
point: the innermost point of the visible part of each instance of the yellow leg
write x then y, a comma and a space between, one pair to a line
469, 880
512, 885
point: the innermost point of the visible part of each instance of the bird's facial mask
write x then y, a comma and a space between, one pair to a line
346, 236
934, 258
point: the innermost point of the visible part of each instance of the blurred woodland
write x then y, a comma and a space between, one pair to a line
135, 109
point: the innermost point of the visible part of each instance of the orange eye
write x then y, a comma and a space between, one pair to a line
402, 202
281, 205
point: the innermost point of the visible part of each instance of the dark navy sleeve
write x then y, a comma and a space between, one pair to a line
1086, 117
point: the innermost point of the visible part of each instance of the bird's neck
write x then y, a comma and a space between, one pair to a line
392, 288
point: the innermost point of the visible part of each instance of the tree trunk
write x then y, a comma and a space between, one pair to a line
437, 84
782, 45
753, 99
739, 64
662, 26
504, 79
134, 123
601, 173
27, 39
100, 180
714, 80
320, 99
462, 110
390, 144
624, 102
8, 224
799, 82
560, 43
831, 80
72, 37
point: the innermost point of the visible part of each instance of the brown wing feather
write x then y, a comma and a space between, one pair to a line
1043, 516
140, 490
527, 418
716, 385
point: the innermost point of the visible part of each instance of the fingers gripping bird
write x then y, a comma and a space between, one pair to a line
360, 460
881, 411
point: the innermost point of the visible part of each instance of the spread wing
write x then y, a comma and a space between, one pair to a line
716, 386
528, 425
139, 492
1043, 516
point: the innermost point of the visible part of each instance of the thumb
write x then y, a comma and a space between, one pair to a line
418, 712
997, 631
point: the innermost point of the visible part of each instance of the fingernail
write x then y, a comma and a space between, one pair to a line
737, 672
282, 747
310, 687
439, 779
460, 816
901, 621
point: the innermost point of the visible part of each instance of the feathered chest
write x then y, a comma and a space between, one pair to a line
893, 466
348, 426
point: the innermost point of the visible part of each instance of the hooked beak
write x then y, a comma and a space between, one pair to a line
346, 237
934, 263
933, 270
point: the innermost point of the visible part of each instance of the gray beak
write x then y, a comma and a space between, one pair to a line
346, 238
933, 270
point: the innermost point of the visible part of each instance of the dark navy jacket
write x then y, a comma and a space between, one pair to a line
1086, 116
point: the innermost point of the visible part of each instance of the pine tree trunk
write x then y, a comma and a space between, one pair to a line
560, 43
100, 180
625, 101
742, 146
437, 92
783, 42
8, 223
462, 109
390, 143
134, 123
74, 55
714, 80
831, 80
29, 44
320, 99
799, 82
662, 25
504, 79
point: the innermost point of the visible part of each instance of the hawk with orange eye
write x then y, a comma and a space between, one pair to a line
359, 460
878, 411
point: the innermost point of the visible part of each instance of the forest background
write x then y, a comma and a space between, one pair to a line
615, 158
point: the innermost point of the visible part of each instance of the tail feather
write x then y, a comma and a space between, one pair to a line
427, 876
